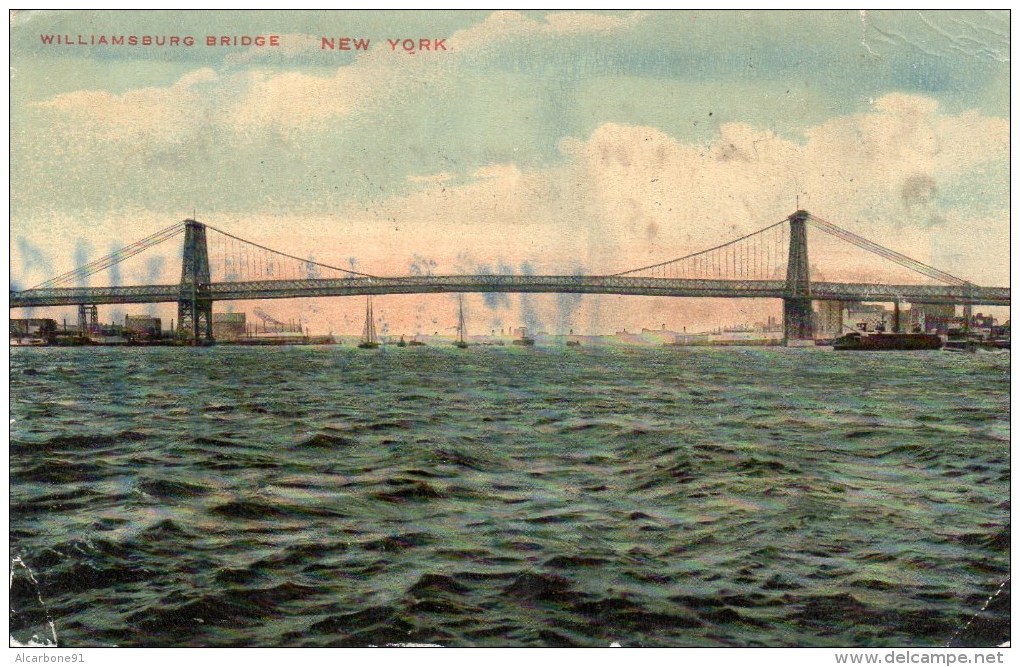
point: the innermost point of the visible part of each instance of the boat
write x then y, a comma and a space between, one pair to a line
523, 340
401, 342
369, 341
460, 342
887, 341
28, 342
974, 344
416, 343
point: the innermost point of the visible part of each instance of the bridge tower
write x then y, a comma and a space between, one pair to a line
797, 313
194, 305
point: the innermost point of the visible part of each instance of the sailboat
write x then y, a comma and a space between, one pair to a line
369, 341
461, 329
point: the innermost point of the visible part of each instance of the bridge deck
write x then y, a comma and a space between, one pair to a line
623, 285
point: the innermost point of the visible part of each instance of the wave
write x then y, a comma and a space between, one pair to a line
167, 489
416, 491
598, 504
326, 440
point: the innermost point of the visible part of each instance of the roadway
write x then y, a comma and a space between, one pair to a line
623, 285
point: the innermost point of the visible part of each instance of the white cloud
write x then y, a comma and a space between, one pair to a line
441, 177
504, 172
293, 100
630, 195
250, 101
144, 114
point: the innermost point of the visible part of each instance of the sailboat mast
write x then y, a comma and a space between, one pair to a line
364, 332
460, 322
368, 336
371, 322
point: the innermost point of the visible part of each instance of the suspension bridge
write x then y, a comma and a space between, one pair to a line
769, 263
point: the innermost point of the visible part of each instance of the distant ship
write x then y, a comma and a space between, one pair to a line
369, 340
973, 344
28, 342
887, 341
461, 343
401, 342
524, 338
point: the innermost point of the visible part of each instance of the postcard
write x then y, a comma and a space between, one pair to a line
683, 329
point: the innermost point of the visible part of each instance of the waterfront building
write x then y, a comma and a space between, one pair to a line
143, 326
33, 328
229, 326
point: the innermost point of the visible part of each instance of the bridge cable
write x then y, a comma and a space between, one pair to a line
700, 252
115, 257
298, 259
891, 255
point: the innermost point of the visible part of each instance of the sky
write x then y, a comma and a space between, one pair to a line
539, 142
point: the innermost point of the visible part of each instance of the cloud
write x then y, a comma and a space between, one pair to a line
904, 173
632, 195
441, 177
144, 114
242, 104
504, 172
505, 25
293, 100
247, 102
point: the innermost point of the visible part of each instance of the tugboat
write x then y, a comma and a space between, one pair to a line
369, 341
524, 339
881, 340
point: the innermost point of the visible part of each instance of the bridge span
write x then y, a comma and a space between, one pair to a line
622, 285
747, 267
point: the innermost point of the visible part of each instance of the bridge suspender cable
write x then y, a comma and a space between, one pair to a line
740, 268
157, 238
891, 255
297, 259
115, 257
700, 252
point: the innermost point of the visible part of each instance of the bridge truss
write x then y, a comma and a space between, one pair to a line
624, 285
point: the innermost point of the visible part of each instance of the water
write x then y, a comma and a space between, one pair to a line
508, 497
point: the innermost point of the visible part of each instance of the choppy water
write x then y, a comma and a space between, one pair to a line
509, 497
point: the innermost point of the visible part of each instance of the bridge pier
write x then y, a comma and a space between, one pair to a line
194, 305
798, 319
797, 312
88, 319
